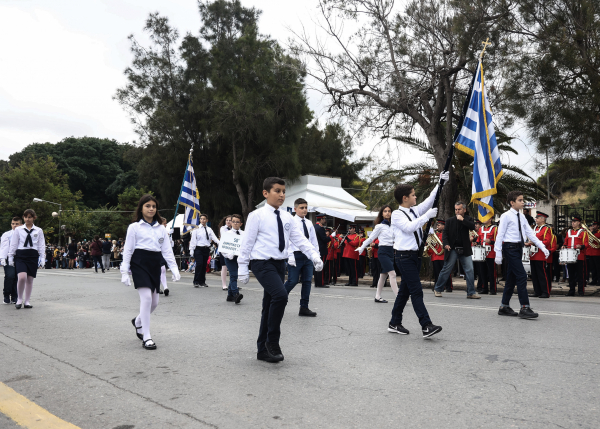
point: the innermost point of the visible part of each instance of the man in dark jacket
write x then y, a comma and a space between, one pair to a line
96, 251
457, 245
323, 240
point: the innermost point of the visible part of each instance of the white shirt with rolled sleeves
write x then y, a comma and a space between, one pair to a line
403, 229
261, 239
199, 238
312, 235
17, 242
5, 244
508, 231
384, 232
154, 238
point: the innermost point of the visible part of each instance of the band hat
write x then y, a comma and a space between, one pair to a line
542, 214
575, 219
595, 223
321, 217
442, 221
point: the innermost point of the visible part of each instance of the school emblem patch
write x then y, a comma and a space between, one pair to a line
35, 235
161, 240
287, 226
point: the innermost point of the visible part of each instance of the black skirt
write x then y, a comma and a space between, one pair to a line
163, 261
26, 261
145, 269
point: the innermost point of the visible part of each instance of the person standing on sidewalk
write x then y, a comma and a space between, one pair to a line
351, 242
487, 237
106, 248
323, 240
96, 252
509, 244
457, 245
539, 273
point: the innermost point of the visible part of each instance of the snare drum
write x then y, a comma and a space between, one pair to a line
526, 254
568, 256
479, 253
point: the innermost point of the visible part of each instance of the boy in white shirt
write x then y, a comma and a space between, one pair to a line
268, 234
233, 292
10, 272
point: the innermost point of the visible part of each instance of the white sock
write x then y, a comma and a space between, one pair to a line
380, 285
163, 277
224, 276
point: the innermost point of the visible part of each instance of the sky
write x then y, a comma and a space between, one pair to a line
62, 61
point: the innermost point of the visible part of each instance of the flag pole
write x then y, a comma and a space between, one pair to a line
181, 189
451, 151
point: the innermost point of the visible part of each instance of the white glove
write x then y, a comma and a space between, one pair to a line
318, 263
498, 260
2, 262
244, 279
292, 261
11, 262
546, 253
125, 279
359, 250
431, 213
333, 234
445, 175
176, 276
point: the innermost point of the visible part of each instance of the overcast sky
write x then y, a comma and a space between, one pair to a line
63, 60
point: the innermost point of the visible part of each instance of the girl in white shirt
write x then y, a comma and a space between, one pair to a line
27, 251
146, 244
224, 226
384, 232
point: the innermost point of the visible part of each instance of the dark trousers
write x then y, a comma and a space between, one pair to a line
515, 274
232, 267
201, 255
375, 270
351, 268
303, 271
97, 260
362, 261
437, 269
10, 282
478, 269
320, 275
557, 268
549, 272
330, 272
539, 278
576, 276
270, 275
410, 286
487, 275
595, 268
338, 265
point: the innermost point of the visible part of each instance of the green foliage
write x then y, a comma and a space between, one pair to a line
568, 175
95, 166
593, 193
35, 178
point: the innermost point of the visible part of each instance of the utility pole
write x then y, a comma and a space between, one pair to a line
547, 176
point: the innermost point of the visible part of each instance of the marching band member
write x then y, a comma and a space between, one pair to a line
351, 242
329, 268
437, 256
323, 240
338, 255
550, 259
509, 244
26, 252
577, 238
147, 242
202, 236
594, 255
233, 293
539, 272
10, 273
362, 256
375, 264
224, 226
487, 237
477, 265
384, 233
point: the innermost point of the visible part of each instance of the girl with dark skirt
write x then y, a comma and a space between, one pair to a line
147, 242
26, 253
383, 232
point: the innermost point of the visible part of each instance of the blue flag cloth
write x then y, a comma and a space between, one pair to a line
189, 198
478, 138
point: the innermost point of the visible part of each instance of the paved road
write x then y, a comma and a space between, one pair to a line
75, 354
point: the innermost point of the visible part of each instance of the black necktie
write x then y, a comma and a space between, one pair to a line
206, 231
28, 240
238, 232
520, 233
420, 231
305, 228
280, 230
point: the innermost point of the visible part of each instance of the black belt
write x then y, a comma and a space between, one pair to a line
409, 252
511, 245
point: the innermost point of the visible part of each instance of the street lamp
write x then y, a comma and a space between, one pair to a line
54, 214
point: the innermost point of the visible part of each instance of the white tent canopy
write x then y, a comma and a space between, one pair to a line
178, 222
325, 195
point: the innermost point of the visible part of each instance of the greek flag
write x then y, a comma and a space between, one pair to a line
478, 138
189, 198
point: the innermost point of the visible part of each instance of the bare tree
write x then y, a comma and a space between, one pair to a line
401, 71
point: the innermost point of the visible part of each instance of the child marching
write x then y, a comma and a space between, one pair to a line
231, 260
10, 273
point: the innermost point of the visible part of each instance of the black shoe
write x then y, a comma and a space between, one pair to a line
570, 293
18, 306
527, 313
204, 285
493, 293
580, 293
102, 271
479, 290
383, 301
28, 306
149, 344
196, 284
507, 311
348, 284
230, 298
160, 291
398, 329
140, 336
431, 330
325, 286
533, 296
306, 312
265, 356
167, 292
484, 292
238, 297
448, 290
544, 295
6, 300
274, 352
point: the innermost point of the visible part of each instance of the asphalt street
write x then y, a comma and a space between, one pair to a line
76, 355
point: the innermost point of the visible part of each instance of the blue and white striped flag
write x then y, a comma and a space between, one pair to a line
478, 138
189, 198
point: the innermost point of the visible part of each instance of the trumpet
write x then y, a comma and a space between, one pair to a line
593, 240
432, 242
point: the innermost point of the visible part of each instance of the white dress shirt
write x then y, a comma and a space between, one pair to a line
312, 235
17, 242
5, 244
199, 237
384, 232
508, 231
403, 229
223, 230
262, 238
231, 231
154, 238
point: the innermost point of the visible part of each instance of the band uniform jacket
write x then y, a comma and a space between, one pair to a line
456, 229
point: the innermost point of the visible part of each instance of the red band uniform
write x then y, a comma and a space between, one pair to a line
593, 256
438, 260
375, 264
577, 271
550, 261
330, 271
488, 268
350, 256
538, 263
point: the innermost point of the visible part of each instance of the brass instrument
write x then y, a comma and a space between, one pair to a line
370, 252
431, 242
474, 235
593, 240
